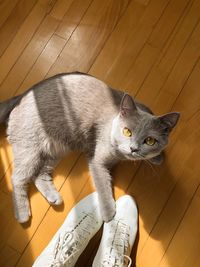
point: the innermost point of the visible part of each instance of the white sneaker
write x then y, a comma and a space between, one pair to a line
81, 224
118, 236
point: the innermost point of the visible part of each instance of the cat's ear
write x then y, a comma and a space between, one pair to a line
127, 106
169, 120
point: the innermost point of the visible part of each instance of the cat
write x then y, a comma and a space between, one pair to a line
72, 111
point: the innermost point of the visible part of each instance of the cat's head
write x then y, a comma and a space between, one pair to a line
137, 134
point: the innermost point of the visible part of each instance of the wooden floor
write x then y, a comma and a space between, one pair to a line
149, 48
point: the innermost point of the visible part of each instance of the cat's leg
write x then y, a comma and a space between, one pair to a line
44, 182
103, 183
20, 197
25, 166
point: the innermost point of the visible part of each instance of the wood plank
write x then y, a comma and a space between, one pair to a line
6, 8
14, 21
113, 47
167, 22
155, 47
188, 101
72, 18
23, 37
159, 73
139, 70
28, 57
92, 32
43, 63
143, 2
60, 8
184, 248
8, 257
6, 216
180, 74
135, 42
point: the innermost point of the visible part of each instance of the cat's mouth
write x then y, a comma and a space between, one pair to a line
134, 156
137, 156
131, 155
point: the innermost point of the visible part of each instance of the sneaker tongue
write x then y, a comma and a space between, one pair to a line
117, 244
119, 238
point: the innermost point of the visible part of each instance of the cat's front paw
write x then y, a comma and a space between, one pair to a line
54, 198
23, 212
108, 211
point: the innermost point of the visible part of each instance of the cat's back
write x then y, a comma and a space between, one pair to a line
76, 94
87, 92
73, 91
73, 101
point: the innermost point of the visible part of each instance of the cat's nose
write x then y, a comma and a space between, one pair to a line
134, 149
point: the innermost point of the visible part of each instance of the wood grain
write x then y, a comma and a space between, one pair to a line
6, 8
14, 21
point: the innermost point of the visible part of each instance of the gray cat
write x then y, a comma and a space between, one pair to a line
77, 111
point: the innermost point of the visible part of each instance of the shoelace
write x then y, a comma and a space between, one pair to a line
118, 246
69, 243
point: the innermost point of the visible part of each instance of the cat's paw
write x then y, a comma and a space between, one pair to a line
23, 213
108, 211
54, 197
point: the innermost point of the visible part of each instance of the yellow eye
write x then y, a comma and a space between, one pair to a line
127, 132
150, 141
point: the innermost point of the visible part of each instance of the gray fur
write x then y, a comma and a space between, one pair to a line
77, 111
7, 106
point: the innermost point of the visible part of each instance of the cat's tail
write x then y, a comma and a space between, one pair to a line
7, 106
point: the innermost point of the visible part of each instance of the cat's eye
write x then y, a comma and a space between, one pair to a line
150, 141
127, 132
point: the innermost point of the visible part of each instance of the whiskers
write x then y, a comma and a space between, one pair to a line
148, 163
